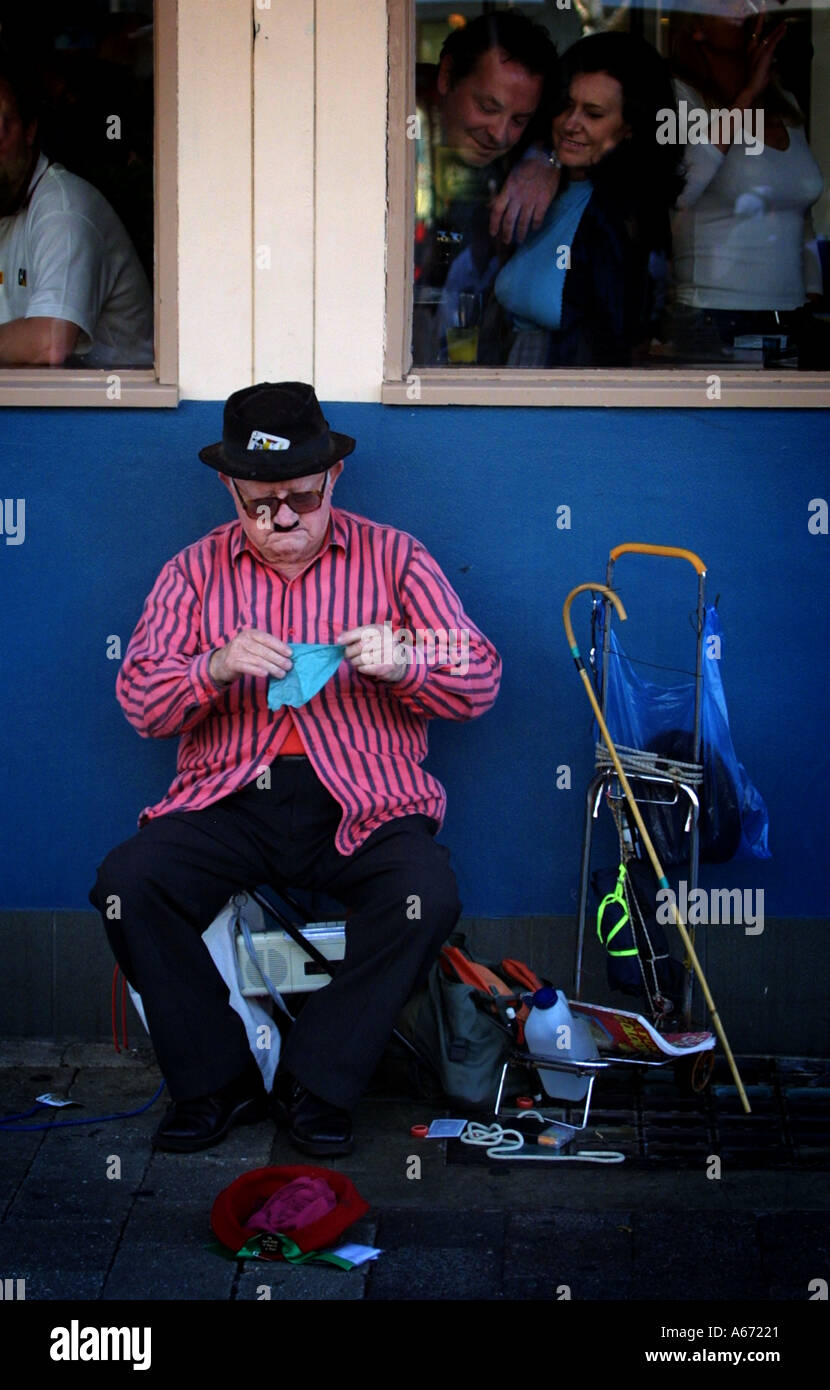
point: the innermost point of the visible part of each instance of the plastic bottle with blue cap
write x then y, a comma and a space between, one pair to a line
552, 1031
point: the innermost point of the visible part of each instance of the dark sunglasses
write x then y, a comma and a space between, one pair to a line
299, 502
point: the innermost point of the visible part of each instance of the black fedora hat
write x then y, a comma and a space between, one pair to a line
275, 431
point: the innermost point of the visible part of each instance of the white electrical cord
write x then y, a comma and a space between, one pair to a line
537, 1115
507, 1143
498, 1141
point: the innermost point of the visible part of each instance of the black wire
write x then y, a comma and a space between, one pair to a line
639, 661
653, 665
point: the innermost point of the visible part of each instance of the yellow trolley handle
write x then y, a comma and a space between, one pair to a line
634, 547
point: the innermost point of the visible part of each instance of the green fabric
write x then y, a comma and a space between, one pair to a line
252, 1250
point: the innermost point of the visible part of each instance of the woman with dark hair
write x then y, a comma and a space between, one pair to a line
745, 255
579, 290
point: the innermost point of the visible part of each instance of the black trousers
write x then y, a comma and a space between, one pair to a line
171, 879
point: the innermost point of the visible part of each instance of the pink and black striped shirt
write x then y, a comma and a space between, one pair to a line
365, 738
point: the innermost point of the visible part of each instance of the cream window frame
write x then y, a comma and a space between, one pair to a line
157, 386
404, 384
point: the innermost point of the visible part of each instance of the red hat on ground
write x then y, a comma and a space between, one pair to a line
237, 1203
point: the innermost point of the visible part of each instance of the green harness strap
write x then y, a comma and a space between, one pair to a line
618, 897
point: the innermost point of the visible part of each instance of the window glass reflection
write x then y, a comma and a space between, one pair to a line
76, 175
650, 196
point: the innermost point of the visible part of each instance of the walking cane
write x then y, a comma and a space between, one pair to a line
635, 811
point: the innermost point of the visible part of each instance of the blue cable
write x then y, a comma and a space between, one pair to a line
24, 1114
6, 1128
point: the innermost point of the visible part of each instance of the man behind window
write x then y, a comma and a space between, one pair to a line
72, 289
321, 790
476, 110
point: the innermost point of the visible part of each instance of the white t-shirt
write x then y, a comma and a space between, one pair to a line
742, 233
68, 256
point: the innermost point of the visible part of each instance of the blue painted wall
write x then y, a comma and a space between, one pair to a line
111, 494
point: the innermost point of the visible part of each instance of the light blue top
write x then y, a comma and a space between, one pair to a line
531, 284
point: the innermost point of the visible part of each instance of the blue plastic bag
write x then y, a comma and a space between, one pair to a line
640, 714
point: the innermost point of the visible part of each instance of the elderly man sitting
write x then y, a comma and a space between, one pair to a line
347, 808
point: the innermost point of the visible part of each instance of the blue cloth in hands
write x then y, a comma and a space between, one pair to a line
314, 664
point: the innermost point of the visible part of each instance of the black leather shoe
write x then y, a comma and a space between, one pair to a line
190, 1125
314, 1126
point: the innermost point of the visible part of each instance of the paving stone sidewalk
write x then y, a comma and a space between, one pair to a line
92, 1213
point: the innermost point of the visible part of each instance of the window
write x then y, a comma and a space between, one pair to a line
87, 171
684, 257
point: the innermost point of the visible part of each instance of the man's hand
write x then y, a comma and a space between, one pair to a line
528, 192
378, 651
251, 653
